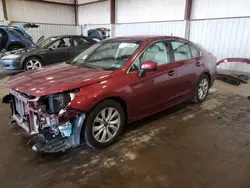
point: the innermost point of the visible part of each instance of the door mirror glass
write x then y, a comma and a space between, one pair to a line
148, 66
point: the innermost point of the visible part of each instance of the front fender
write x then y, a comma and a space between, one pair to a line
88, 96
91, 95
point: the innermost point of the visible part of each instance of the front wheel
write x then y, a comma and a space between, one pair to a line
104, 124
202, 89
32, 63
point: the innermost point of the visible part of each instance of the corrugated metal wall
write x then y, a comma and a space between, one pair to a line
62, 1
221, 34
149, 17
203, 9
224, 38
98, 13
49, 30
53, 19
85, 1
155, 28
39, 12
128, 11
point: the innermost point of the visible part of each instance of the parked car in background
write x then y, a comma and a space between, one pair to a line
15, 37
112, 83
99, 34
52, 50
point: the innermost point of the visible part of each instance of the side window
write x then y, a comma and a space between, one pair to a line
79, 41
61, 43
20, 32
194, 51
181, 50
157, 52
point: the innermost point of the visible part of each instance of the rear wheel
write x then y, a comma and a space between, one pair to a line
104, 124
32, 63
202, 89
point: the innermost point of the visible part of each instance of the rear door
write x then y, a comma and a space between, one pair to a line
58, 51
80, 44
188, 67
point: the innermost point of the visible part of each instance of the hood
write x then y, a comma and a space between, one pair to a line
56, 78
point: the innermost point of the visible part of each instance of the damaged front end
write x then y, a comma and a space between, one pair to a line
56, 126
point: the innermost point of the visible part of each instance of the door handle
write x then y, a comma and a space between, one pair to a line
171, 72
198, 64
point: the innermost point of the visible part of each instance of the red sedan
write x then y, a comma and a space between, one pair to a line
112, 83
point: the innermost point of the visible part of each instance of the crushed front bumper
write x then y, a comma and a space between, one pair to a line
56, 135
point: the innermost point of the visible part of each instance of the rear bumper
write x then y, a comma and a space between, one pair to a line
11, 64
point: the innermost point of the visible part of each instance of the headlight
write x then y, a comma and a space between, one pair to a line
57, 102
11, 56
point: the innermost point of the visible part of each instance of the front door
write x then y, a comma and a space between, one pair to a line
58, 51
152, 92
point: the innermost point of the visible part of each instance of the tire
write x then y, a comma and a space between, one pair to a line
32, 63
14, 47
205, 81
94, 121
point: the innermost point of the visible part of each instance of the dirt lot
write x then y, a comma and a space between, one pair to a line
190, 145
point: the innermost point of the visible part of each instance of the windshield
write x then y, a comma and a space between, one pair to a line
46, 43
110, 55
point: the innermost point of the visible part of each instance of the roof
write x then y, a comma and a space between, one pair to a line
7, 26
68, 36
145, 37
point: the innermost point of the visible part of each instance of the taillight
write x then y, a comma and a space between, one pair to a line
30, 38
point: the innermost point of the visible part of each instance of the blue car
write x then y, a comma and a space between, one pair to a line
15, 37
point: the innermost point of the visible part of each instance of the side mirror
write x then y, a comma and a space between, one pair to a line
148, 66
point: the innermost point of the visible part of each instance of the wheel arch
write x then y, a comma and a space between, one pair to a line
209, 77
30, 56
118, 100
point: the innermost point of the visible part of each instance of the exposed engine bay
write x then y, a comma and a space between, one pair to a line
56, 126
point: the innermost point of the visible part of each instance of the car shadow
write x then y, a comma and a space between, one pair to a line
157, 116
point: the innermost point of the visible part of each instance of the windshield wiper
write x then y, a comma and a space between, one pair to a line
89, 66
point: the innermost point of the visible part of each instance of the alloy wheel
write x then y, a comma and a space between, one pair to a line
33, 64
203, 88
106, 125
